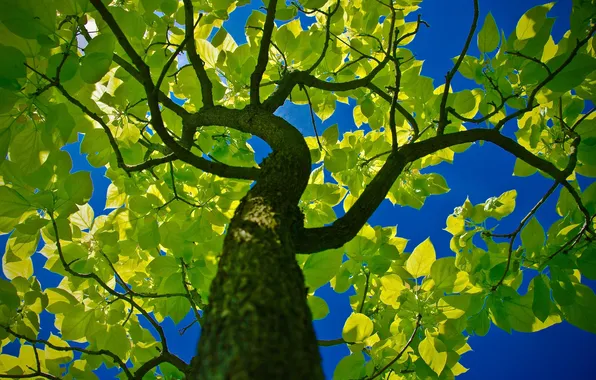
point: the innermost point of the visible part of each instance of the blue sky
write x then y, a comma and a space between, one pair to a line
561, 351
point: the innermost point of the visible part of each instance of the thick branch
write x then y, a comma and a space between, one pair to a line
345, 228
263, 58
156, 119
165, 357
122, 40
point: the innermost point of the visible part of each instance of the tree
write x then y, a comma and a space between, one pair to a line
198, 225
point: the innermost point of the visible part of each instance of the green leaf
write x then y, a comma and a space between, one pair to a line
367, 107
22, 245
563, 289
436, 184
8, 295
421, 259
321, 267
502, 206
78, 187
163, 266
587, 263
102, 43
532, 237
391, 287
330, 135
379, 264
148, 233
94, 66
488, 37
169, 6
531, 22
67, 71
318, 307
479, 323
357, 328
582, 313
312, 4
76, 323
541, 303
350, 367
55, 358
28, 150
444, 273
522, 169
12, 67
573, 74
12, 203
116, 341
83, 218
433, 352
336, 160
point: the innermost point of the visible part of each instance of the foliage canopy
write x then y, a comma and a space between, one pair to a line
166, 100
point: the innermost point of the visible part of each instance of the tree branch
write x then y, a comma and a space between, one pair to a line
401, 352
111, 291
164, 357
197, 63
102, 352
263, 57
443, 107
411, 120
291, 79
332, 342
310, 240
530, 106
327, 38
156, 119
513, 235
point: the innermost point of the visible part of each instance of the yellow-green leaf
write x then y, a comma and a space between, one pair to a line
421, 260
357, 328
488, 37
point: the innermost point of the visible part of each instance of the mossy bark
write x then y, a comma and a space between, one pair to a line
258, 324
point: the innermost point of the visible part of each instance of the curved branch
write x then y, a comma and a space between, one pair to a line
513, 235
101, 283
165, 357
344, 229
156, 118
151, 163
163, 98
112, 355
197, 63
411, 120
443, 107
550, 77
327, 38
122, 40
401, 352
291, 79
263, 57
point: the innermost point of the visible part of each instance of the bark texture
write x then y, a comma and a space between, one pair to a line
258, 324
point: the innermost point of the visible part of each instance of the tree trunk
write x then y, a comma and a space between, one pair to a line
258, 324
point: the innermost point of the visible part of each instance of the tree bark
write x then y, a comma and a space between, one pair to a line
258, 324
